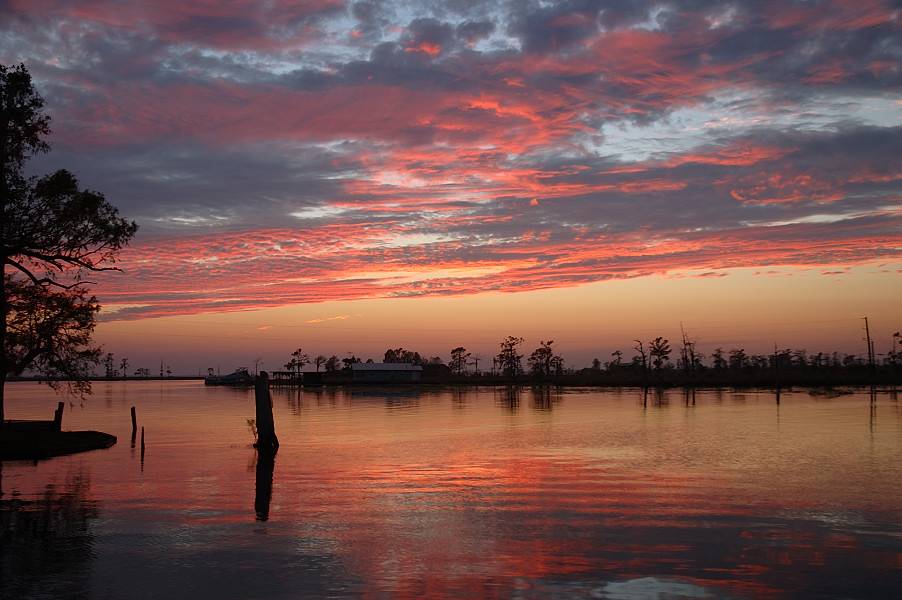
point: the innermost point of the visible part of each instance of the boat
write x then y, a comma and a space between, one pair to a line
238, 377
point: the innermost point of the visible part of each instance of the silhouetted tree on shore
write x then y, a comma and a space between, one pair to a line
509, 358
543, 362
109, 365
659, 351
641, 358
349, 360
738, 358
52, 233
299, 359
400, 355
458, 362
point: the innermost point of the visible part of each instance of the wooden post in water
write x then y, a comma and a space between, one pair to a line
134, 426
266, 429
58, 417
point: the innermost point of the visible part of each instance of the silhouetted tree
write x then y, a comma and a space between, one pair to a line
49, 331
458, 362
509, 357
299, 358
596, 364
543, 362
895, 356
659, 350
109, 365
641, 358
332, 364
688, 359
400, 355
738, 358
51, 234
349, 360
719, 361
123, 367
319, 361
616, 359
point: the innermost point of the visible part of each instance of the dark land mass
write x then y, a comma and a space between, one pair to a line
627, 376
172, 378
16, 444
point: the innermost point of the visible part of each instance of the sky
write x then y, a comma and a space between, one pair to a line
353, 176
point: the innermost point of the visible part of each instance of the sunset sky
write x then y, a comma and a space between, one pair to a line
353, 176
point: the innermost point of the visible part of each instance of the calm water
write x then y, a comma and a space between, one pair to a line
489, 492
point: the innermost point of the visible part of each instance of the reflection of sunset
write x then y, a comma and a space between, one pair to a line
449, 492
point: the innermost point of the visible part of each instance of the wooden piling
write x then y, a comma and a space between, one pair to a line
134, 422
266, 429
142, 444
58, 417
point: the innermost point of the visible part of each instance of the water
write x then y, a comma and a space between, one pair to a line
447, 493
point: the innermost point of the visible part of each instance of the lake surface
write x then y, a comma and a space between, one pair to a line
395, 492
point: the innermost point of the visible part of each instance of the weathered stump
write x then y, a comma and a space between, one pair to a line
266, 429
134, 426
58, 417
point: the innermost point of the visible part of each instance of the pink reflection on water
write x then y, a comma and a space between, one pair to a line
450, 492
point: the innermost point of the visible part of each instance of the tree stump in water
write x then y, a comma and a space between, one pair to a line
266, 429
58, 417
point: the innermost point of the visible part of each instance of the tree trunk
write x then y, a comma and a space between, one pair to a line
2, 388
266, 429
3, 310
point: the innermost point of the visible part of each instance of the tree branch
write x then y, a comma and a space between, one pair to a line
44, 280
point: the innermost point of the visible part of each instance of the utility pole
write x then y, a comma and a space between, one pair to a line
867, 332
777, 372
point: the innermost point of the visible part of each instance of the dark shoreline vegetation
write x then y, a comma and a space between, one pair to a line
651, 366
592, 378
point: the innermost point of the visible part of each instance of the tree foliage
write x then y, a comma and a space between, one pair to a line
49, 331
299, 359
543, 362
509, 358
659, 350
459, 358
52, 235
401, 355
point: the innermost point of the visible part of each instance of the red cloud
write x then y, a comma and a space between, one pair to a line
250, 269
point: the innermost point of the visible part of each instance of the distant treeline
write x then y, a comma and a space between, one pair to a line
655, 362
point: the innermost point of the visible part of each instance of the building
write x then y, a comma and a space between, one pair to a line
385, 373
